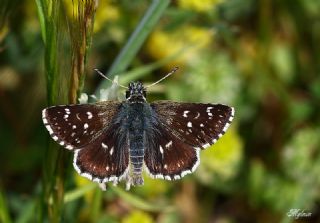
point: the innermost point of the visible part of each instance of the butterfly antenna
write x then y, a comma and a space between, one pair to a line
99, 72
170, 73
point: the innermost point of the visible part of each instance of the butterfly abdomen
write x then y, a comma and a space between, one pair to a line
136, 152
136, 148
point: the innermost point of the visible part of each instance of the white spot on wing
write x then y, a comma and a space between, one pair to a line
226, 127
169, 144
161, 149
104, 145
159, 176
44, 113
189, 124
185, 173
111, 150
185, 114
89, 115
49, 129
209, 108
85, 126
69, 147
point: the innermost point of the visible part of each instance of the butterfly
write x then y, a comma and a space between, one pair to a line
116, 140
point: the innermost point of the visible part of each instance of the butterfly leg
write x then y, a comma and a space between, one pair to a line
102, 186
137, 180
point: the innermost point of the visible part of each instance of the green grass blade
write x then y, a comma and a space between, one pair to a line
140, 203
54, 158
129, 51
4, 212
127, 196
79, 192
144, 70
28, 213
81, 27
41, 15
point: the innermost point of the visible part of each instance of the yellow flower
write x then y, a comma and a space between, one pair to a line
162, 45
137, 217
106, 11
200, 6
81, 182
181, 44
222, 159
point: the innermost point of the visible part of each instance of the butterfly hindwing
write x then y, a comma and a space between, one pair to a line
106, 158
166, 156
196, 124
74, 126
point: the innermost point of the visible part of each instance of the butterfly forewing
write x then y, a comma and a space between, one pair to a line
199, 125
74, 126
106, 158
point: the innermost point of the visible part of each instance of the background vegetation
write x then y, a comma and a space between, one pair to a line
260, 56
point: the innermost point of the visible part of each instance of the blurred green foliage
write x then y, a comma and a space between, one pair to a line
260, 56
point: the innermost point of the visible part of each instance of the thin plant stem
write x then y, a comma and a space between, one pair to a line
138, 37
81, 27
4, 212
54, 160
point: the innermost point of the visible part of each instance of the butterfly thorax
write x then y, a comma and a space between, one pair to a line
136, 93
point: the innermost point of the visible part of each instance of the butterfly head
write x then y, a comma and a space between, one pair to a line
136, 92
